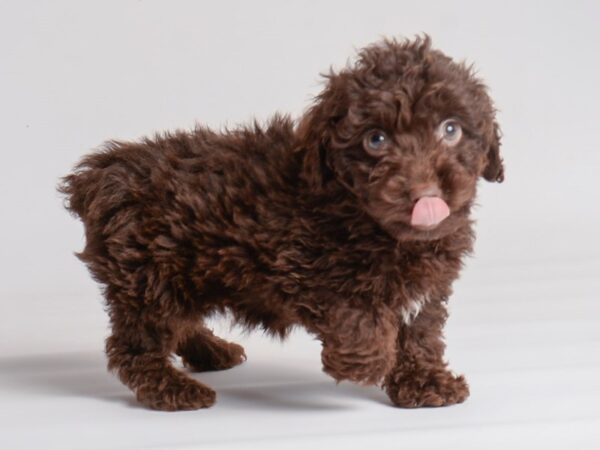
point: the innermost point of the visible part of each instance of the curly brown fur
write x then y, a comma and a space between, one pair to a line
284, 225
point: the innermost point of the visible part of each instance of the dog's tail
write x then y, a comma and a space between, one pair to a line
89, 183
72, 187
78, 188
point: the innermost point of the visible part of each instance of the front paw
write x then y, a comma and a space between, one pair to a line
427, 388
357, 367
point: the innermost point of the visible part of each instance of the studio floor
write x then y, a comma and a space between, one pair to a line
525, 334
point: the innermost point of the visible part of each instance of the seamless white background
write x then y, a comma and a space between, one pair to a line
524, 325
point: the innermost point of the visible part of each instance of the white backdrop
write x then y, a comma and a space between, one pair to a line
77, 73
73, 74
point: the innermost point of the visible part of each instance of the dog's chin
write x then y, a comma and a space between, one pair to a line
405, 232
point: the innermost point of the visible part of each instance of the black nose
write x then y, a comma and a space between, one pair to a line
425, 190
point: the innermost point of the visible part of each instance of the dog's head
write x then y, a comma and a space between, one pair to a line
408, 132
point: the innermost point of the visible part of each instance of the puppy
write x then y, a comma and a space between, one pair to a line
352, 222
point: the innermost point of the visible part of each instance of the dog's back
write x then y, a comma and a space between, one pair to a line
122, 173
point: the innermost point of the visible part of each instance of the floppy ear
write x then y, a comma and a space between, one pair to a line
315, 129
313, 137
494, 169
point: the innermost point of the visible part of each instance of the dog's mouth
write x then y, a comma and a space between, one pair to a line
428, 213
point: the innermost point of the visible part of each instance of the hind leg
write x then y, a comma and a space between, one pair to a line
139, 352
203, 351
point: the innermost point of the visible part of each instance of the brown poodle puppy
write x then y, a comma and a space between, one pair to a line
352, 223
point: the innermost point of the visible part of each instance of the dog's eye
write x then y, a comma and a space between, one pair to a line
450, 132
375, 140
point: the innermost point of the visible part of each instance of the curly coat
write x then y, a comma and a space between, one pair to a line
294, 224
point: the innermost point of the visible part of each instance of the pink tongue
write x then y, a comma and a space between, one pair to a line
429, 211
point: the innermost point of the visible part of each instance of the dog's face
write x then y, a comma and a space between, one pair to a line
408, 132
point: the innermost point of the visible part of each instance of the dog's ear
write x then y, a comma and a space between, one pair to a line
494, 168
314, 131
313, 137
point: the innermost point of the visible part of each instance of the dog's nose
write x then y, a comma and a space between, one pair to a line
425, 190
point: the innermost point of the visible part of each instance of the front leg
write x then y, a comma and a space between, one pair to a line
359, 344
420, 376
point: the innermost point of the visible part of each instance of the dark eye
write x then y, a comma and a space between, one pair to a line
375, 140
449, 131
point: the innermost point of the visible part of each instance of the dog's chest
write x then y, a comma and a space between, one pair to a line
410, 293
412, 306
414, 284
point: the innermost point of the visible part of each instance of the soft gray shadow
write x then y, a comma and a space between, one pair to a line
64, 374
262, 384
257, 385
